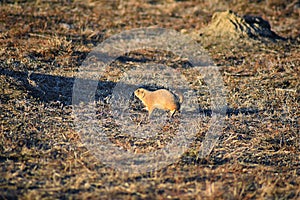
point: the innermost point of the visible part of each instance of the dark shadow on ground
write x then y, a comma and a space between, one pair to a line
49, 88
230, 111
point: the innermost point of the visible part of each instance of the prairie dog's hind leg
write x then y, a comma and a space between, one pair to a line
172, 112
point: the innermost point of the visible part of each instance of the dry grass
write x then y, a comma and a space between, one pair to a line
42, 44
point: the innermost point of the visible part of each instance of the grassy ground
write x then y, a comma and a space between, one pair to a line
42, 45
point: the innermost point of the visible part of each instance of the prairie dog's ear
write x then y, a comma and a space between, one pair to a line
142, 92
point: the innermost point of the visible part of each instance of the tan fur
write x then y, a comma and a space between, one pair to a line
160, 99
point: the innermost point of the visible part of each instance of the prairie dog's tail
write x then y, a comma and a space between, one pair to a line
180, 96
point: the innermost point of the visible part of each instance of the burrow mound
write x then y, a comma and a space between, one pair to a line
228, 25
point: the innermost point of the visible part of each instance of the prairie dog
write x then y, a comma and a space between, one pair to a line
161, 99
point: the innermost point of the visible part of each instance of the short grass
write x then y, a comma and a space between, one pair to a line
42, 45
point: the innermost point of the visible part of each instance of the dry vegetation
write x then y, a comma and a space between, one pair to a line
42, 45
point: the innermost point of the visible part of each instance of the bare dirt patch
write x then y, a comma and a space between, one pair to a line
231, 26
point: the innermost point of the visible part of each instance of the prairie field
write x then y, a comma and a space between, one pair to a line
43, 47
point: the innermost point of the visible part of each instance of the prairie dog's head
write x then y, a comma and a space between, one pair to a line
139, 93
